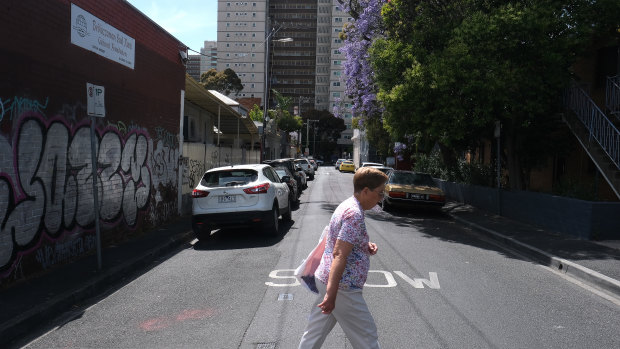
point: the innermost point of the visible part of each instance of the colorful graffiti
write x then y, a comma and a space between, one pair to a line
46, 196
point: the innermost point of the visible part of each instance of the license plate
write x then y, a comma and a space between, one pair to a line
224, 199
417, 196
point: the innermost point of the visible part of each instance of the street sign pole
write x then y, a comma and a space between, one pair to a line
95, 107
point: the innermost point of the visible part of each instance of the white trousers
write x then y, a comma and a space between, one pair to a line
351, 312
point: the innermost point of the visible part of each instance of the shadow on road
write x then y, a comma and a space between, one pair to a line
242, 238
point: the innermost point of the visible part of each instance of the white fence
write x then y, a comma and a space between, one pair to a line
198, 158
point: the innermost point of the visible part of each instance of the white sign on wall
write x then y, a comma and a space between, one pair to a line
95, 100
91, 33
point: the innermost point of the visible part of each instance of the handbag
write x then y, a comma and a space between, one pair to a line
305, 272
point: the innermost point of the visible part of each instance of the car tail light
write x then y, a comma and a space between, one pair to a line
199, 194
259, 189
437, 197
397, 194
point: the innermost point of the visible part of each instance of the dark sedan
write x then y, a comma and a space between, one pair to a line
294, 192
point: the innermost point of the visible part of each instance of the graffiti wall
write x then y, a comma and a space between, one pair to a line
47, 205
47, 208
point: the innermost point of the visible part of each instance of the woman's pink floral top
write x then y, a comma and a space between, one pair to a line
347, 224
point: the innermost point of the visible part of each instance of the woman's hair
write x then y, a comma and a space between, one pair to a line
368, 177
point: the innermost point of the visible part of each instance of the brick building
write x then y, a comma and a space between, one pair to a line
50, 51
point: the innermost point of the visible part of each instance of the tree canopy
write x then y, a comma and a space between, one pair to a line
446, 71
225, 81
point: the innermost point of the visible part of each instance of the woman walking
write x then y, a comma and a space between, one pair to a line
344, 268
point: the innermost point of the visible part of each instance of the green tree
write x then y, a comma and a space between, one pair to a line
328, 130
224, 82
256, 114
447, 70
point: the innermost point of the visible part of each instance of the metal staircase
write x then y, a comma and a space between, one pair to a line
595, 131
612, 96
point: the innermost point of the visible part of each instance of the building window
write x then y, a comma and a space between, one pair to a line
336, 83
336, 62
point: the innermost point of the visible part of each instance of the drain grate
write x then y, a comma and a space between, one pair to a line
271, 345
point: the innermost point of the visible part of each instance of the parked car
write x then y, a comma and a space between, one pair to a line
302, 176
384, 169
319, 162
338, 162
407, 188
287, 177
373, 164
289, 163
314, 164
307, 167
239, 196
347, 166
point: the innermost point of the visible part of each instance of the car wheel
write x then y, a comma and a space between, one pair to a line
202, 232
289, 214
272, 225
311, 177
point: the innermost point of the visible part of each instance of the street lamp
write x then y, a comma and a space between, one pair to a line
266, 94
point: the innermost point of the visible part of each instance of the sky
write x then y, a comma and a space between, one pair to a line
190, 21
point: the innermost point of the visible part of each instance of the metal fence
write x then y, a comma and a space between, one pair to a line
598, 125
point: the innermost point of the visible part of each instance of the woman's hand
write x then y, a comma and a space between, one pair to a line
372, 248
327, 305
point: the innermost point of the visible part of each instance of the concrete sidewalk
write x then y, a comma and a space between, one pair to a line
594, 263
33, 302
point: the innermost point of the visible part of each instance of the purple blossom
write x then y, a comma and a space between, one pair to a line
360, 77
399, 147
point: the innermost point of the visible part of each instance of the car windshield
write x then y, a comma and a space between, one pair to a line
409, 178
229, 178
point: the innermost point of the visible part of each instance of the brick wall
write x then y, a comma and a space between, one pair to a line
46, 198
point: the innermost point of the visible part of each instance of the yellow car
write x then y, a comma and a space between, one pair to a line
347, 166
407, 188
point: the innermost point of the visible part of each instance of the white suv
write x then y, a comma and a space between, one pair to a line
306, 166
237, 196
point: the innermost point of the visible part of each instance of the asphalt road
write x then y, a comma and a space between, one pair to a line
433, 284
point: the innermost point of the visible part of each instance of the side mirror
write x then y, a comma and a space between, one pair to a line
286, 179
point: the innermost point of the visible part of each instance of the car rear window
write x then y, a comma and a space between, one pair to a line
412, 179
229, 178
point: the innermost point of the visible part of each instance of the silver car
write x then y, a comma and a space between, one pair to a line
239, 196
306, 166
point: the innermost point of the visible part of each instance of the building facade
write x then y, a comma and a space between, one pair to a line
208, 59
193, 66
241, 27
308, 69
